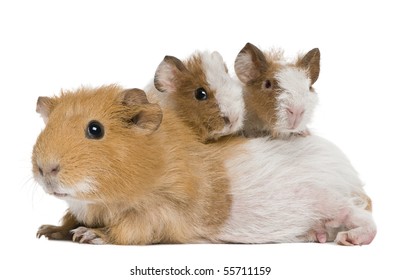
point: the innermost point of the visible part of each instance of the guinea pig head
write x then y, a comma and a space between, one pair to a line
280, 94
203, 94
97, 144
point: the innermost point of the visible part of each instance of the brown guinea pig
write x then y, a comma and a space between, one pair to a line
202, 92
127, 173
279, 97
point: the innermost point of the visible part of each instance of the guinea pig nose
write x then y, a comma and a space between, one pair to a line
295, 112
52, 169
55, 169
294, 116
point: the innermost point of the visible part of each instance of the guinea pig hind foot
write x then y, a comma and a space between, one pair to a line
88, 236
361, 229
357, 236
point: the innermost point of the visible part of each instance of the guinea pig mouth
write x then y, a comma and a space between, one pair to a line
292, 130
59, 195
228, 128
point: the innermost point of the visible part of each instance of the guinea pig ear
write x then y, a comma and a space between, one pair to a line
217, 56
167, 74
250, 63
148, 117
311, 62
133, 96
44, 106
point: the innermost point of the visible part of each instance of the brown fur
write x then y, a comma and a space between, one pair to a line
62, 232
260, 102
311, 62
187, 77
254, 68
151, 184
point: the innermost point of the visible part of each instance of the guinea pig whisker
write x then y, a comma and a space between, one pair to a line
34, 189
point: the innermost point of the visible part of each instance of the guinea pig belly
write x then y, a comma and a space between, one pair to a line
282, 189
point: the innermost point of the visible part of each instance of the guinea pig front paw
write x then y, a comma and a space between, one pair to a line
87, 235
54, 232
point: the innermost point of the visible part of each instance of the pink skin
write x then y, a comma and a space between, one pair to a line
321, 237
323, 233
354, 237
295, 115
294, 118
362, 235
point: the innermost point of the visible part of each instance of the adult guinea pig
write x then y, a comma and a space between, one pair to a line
132, 175
202, 93
127, 173
279, 95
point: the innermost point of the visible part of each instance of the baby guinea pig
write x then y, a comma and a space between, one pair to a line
129, 174
279, 97
202, 93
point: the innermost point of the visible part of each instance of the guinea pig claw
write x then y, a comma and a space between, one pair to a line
86, 235
53, 232
354, 237
342, 239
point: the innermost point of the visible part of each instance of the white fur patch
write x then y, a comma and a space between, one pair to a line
53, 185
83, 187
295, 93
282, 189
78, 208
228, 91
155, 96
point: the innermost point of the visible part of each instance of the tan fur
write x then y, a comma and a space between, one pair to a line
202, 117
364, 200
147, 188
369, 205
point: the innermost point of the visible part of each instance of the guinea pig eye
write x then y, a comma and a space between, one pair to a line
94, 130
200, 94
268, 84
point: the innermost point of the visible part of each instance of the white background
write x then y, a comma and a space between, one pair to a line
49, 45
